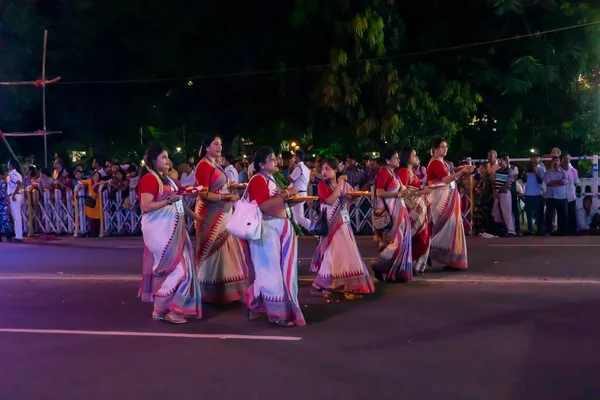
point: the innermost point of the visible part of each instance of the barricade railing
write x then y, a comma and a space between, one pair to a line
62, 212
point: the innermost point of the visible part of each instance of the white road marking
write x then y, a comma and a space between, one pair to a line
494, 279
515, 280
310, 258
223, 336
544, 245
57, 277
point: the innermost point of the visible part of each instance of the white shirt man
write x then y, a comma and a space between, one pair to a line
188, 178
300, 177
232, 174
16, 201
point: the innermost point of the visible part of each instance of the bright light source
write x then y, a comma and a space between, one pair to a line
297, 147
142, 163
190, 83
532, 150
245, 156
314, 155
293, 144
374, 154
178, 149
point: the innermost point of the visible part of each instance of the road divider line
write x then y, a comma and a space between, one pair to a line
221, 336
56, 277
544, 245
310, 258
515, 280
310, 278
120, 278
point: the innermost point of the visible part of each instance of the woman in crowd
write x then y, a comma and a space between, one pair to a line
275, 255
30, 175
168, 279
93, 203
418, 209
394, 263
220, 257
337, 259
448, 242
5, 226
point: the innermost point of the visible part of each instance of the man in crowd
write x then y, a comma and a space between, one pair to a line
353, 171
230, 171
515, 197
572, 182
588, 217
188, 178
533, 179
299, 178
556, 196
503, 179
492, 164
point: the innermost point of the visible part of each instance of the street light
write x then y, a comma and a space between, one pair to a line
532, 150
178, 149
293, 144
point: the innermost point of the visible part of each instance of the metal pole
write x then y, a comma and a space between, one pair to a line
595, 181
44, 98
184, 137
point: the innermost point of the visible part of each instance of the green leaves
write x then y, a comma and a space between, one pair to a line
516, 86
504, 7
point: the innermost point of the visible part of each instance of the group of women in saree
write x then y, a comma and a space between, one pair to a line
426, 222
262, 274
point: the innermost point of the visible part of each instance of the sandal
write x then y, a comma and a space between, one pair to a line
282, 323
352, 296
320, 291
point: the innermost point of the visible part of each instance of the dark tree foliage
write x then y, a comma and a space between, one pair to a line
370, 85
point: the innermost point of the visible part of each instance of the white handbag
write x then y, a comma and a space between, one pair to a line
246, 221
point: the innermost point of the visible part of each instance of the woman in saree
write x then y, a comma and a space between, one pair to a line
394, 262
274, 290
337, 259
448, 242
220, 257
168, 278
418, 209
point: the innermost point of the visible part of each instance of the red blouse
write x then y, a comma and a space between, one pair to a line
258, 189
204, 170
404, 175
436, 171
324, 191
384, 179
149, 184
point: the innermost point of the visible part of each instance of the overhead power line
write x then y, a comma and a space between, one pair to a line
322, 66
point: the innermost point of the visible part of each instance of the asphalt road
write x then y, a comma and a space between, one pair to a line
521, 324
